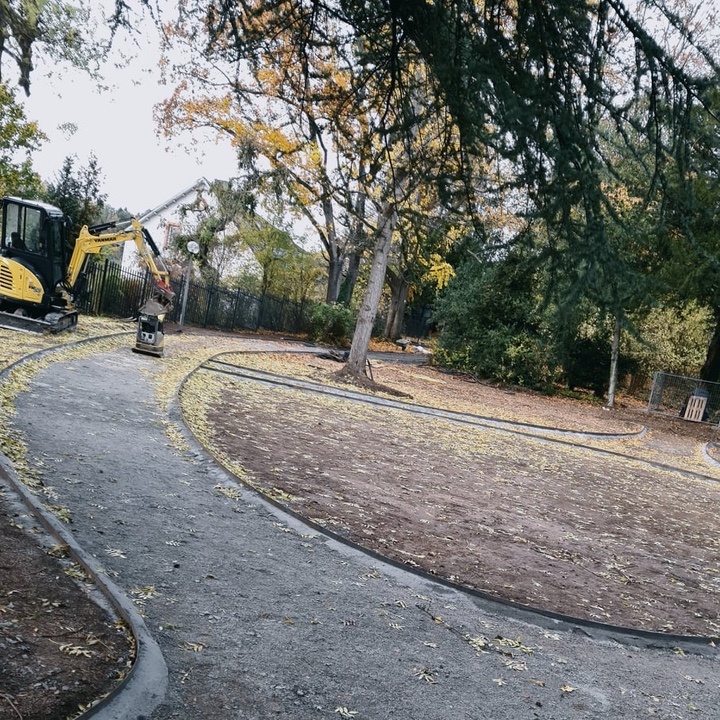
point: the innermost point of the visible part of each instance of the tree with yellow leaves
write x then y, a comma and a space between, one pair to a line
316, 123
284, 108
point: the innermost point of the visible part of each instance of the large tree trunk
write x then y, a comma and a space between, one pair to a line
358, 243
357, 360
614, 357
711, 368
399, 319
399, 288
334, 254
334, 278
350, 280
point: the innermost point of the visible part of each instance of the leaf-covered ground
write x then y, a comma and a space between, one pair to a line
553, 525
547, 524
60, 650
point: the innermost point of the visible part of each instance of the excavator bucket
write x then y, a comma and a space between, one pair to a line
164, 294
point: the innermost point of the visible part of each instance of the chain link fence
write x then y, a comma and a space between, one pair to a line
685, 397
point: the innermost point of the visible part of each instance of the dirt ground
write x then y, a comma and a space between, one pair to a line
60, 651
547, 524
570, 529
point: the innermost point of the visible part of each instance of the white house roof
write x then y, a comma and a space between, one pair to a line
199, 184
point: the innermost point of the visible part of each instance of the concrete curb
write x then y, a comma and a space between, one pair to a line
146, 683
57, 349
144, 687
467, 418
546, 434
707, 457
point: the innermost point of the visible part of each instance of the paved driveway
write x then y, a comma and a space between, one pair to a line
258, 617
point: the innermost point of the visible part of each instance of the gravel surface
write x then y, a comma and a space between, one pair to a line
258, 617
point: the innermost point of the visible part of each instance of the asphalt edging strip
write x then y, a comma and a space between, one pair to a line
697, 644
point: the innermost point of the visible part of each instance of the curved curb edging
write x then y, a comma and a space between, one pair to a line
707, 457
646, 639
542, 434
146, 683
57, 349
439, 413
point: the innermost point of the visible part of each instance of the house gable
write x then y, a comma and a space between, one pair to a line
166, 220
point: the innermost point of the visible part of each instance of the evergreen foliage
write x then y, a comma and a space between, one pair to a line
77, 192
491, 323
331, 323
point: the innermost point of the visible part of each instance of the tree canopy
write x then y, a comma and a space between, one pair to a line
583, 108
19, 138
575, 135
57, 31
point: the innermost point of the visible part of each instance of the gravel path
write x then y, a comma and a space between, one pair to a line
258, 617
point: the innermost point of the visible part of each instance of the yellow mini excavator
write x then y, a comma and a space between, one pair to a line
40, 271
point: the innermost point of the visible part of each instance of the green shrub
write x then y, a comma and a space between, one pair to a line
673, 339
331, 323
502, 355
491, 324
587, 364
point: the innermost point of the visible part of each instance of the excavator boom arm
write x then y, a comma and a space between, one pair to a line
88, 243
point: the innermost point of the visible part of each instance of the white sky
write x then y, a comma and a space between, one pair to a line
139, 169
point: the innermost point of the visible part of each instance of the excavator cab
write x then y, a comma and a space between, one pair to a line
33, 261
37, 232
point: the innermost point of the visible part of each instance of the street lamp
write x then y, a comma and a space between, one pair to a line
193, 248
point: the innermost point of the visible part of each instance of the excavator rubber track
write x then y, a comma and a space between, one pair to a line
58, 322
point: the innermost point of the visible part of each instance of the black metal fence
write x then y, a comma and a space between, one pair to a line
418, 322
107, 289
685, 397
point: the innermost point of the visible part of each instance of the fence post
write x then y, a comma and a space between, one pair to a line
652, 392
261, 310
300, 317
101, 294
185, 281
235, 307
209, 304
